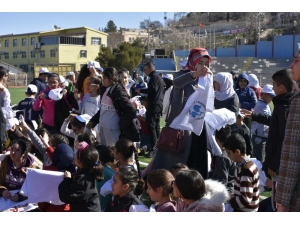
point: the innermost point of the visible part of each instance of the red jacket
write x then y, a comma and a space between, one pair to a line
48, 207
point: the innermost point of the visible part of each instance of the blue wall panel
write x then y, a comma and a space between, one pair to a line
225, 52
164, 64
283, 46
264, 49
246, 50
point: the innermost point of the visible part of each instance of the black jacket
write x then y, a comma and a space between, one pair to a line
39, 84
245, 132
122, 204
276, 124
224, 171
62, 111
232, 104
155, 92
80, 192
125, 111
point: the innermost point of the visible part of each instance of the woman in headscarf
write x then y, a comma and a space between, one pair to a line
225, 96
184, 84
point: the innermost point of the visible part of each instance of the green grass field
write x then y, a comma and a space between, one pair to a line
17, 94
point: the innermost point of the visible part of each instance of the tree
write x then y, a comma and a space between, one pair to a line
125, 55
153, 25
105, 57
110, 27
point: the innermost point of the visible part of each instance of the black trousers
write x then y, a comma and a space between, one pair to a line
153, 120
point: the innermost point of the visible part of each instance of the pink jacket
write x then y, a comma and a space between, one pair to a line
48, 105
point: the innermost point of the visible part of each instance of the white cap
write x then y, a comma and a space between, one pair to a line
94, 64
84, 118
31, 88
70, 73
168, 76
56, 94
63, 80
44, 70
268, 89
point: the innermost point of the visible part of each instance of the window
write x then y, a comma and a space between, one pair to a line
15, 55
72, 40
129, 39
42, 53
6, 55
49, 40
32, 41
32, 53
15, 42
52, 53
23, 41
83, 54
23, 55
6, 43
96, 41
24, 67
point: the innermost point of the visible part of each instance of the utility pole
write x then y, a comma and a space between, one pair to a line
214, 38
149, 35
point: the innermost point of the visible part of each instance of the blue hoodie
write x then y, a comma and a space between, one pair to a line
247, 96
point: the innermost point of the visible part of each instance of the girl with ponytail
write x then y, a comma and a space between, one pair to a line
79, 189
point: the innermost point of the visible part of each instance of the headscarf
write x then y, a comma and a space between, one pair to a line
253, 81
195, 56
226, 86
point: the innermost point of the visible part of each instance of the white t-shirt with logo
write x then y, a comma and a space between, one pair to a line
108, 114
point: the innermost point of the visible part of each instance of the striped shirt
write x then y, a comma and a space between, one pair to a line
246, 187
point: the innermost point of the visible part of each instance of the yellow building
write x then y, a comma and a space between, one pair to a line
60, 49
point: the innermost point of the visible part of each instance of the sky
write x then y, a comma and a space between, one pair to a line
38, 21
35, 15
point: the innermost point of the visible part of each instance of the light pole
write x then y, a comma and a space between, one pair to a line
260, 17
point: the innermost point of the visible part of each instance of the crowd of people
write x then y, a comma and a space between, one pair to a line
84, 135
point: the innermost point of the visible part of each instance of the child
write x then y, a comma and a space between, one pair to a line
79, 189
260, 131
177, 167
107, 159
43, 101
254, 85
126, 187
77, 127
123, 153
159, 183
283, 87
224, 168
196, 195
90, 104
26, 104
145, 138
125, 80
62, 159
117, 112
246, 194
71, 80
247, 96
288, 186
242, 129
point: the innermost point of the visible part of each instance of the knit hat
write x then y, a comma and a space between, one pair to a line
63, 157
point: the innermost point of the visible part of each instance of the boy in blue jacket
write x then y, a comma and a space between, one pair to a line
247, 96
